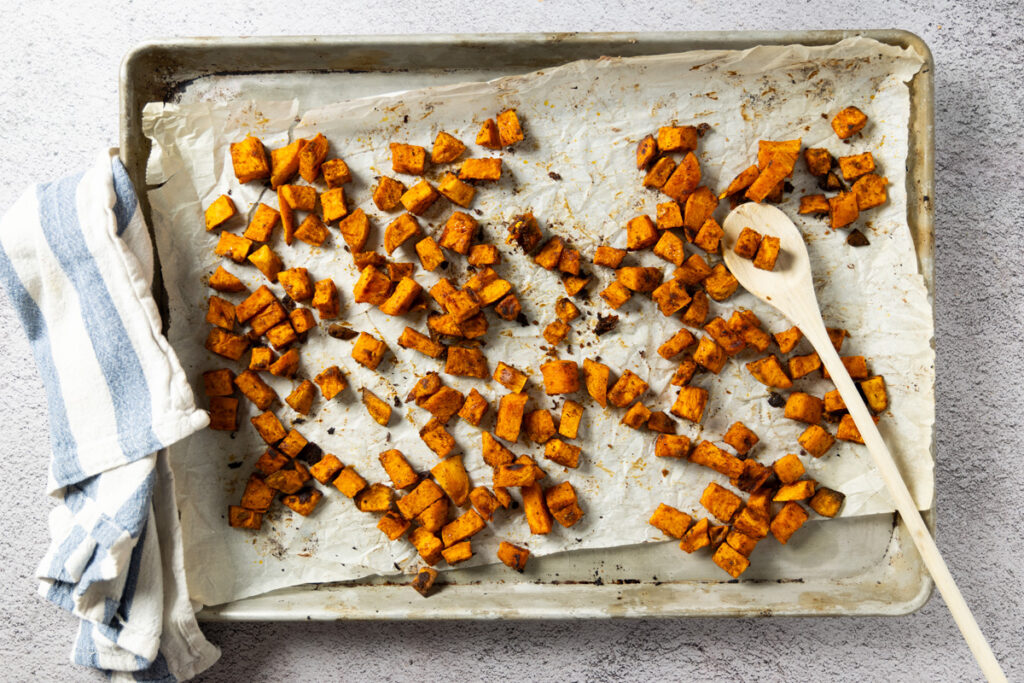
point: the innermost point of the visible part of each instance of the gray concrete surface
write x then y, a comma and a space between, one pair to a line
58, 104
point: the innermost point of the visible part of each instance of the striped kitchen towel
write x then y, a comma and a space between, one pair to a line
77, 264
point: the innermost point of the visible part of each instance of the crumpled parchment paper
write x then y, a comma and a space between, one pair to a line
576, 172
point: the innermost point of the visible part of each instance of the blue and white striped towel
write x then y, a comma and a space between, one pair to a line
76, 261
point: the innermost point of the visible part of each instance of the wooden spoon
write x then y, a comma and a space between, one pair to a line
790, 289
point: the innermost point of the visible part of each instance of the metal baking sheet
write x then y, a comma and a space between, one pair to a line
862, 565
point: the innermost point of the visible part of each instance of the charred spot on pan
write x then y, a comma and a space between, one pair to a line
703, 129
775, 400
605, 324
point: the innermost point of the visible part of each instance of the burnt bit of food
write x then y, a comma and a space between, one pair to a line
857, 239
288, 302
341, 332
330, 430
775, 400
554, 176
703, 129
311, 453
605, 324
522, 320
234, 465
398, 402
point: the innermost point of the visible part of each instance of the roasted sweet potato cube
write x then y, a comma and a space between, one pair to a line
672, 446
397, 271
299, 197
684, 373
660, 172
447, 148
740, 542
550, 253
853, 167
711, 456
870, 191
221, 312
410, 159
226, 344
429, 547
301, 398
768, 371
483, 255
676, 344
568, 515
311, 157
411, 339
562, 453
218, 382
287, 216
677, 138
628, 388
430, 254
834, 402
569, 261
368, 351
221, 210
560, 377
646, 151
481, 169
297, 283
232, 246
801, 366
697, 537
596, 378
671, 521
451, 475
848, 122
255, 389
720, 502
639, 279
267, 261
741, 182
767, 253
265, 320
510, 416
463, 362
262, 225
393, 525
637, 416
326, 468
271, 461
609, 256
819, 161
388, 193
418, 198
459, 552
240, 518
724, 336
615, 295
842, 209
290, 478
574, 284
721, 284
731, 560
641, 233
419, 499
285, 366
332, 382
747, 243
790, 518
746, 325
670, 248
804, 408
349, 482
399, 230
398, 469
710, 355
355, 229
437, 438
700, 206
444, 404
462, 304
488, 135
690, 403
693, 271
435, 516
560, 496
509, 377
684, 179
740, 437
223, 413
778, 168
336, 173
556, 332
372, 287
464, 527
814, 204
249, 160
333, 204
826, 502
379, 410
848, 431
569, 421
509, 130
671, 297
405, 294
484, 502
659, 421
302, 320
709, 236
325, 299
257, 495
513, 556
668, 215
293, 443
223, 281
788, 468
788, 339
537, 514
874, 393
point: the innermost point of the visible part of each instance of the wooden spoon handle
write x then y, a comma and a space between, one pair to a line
814, 329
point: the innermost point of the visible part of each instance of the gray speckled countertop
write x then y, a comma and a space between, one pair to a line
58, 105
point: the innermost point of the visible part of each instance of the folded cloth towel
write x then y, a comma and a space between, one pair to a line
77, 263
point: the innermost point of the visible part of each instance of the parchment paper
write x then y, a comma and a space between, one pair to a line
576, 172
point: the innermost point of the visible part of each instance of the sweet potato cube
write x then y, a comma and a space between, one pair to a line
710, 355
399, 230
299, 197
848, 122
740, 542
562, 453
853, 167
659, 173
368, 351
659, 421
510, 416
325, 469
443, 404
232, 246
302, 320
420, 197
447, 148
473, 408
459, 552
509, 130
290, 478
509, 377
826, 502
372, 287
834, 402
355, 229
411, 339
874, 393
332, 382
813, 204
721, 284
804, 408
249, 160
218, 382
746, 325
451, 476
668, 215
406, 292
720, 502
731, 560
672, 446
255, 389
671, 297
311, 157
379, 410
297, 283
560, 496
393, 525
429, 547
272, 315
637, 416
639, 279
287, 216
223, 281
223, 413
221, 210
221, 312
848, 431
646, 151
741, 182
870, 191
513, 556
464, 362
768, 371
801, 366
488, 135
684, 373
484, 255
257, 495
560, 377
788, 468
767, 253
435, 516
569, 261
842, 210
556, 332
437, 438
285, 366
670, 521
677, 138
693, 271
226, 344
325, 299
484, 502
336, 173
676, 344
615, 295
349, 482
487, 286
271, 461
819, 161
641, 233
464, 527
240, 518
388, 193
293, 443
628, 388
684, 179
285, 163
670, 248
790, 518
267, 261
697, 537
778, 168
481, 169
550, 253
419, 499
700, 206
333, 204
596, 378
724, 336
398, 469
410, 159
301, 397
690, 403
747, 243
462, 304
711, 456
609, 256
430, 254
788, 339
569, 421
709, 236
537, 514
741, 438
